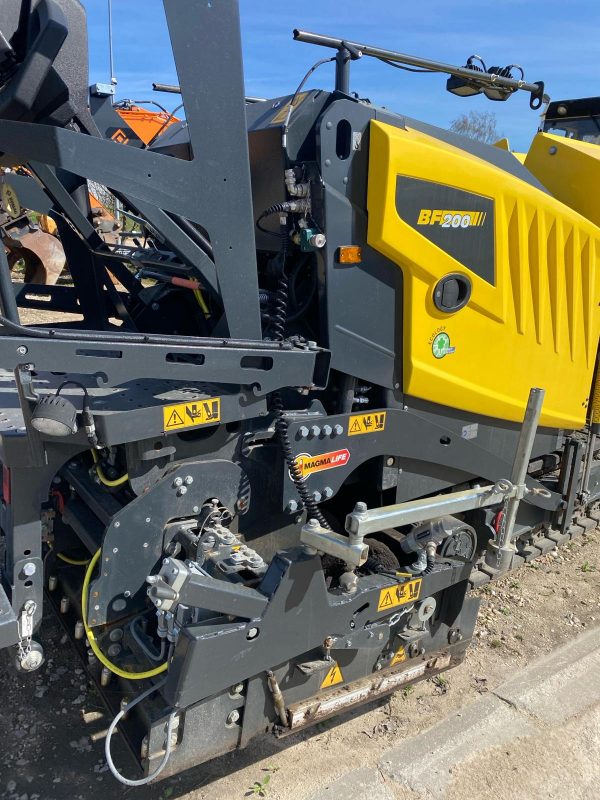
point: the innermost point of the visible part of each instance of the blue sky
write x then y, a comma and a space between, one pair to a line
555, 41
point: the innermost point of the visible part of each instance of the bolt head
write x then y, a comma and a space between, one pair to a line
252, 633
327, 430
29, 569
338, 430
22, 350
177, 482
315, 431
292, 507
327, 492
188, 480
313, 523
303, 432
117, 524
233, 717
360, 508
389, 462
181, 491
317, 497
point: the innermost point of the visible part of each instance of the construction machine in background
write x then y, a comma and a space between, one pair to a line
353, 375
31, 240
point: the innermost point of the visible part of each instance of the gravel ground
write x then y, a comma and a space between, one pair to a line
53, 722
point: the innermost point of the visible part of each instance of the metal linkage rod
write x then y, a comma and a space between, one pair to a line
499, 553
415, 61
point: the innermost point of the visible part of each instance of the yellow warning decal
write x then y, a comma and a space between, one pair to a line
366, 423
399, 595
399, 657
333, 677
188, 415
281, 115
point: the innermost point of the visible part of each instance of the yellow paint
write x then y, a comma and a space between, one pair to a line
399, 595
366, 423
595, 401
190, 415
569, 169
504, 144
538, 326
399, 657
333, 677
281, 115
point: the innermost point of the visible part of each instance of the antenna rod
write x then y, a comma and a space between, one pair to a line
113, 80
415, 61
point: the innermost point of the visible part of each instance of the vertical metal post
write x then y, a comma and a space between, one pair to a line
500, 551
342, 70
589, 457
7, 292
113, 80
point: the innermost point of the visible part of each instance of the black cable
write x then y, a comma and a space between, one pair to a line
126, 337
286, 124
281, 423
405, 68
86, 413
282, 430
276, 208
161, 129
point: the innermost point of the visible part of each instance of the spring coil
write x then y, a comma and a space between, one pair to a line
279, 318
282, 430
281, 423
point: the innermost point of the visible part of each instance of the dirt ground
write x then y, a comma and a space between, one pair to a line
52, 725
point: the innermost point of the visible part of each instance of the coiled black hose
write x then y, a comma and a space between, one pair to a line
281, 423
430, 563
282, 430
281, 295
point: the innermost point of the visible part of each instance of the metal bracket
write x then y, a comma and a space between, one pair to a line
352, 550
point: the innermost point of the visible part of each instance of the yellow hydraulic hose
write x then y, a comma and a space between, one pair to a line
132, 676
74, 562
103, 479
201, 302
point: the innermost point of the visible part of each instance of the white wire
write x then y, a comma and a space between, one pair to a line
111, 730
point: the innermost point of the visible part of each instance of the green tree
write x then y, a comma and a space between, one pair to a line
480, 125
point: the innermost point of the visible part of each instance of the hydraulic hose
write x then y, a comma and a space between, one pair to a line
111, 730
127, 337
74, 562
143, 646
122, 673
102, 477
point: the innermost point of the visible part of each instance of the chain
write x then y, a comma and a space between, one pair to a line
25, 629
501, 535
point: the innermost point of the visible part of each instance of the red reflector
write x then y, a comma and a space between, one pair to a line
6, 485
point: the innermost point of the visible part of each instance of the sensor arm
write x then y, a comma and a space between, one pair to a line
484, 78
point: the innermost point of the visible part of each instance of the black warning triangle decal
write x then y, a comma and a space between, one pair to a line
355, 426
175, 420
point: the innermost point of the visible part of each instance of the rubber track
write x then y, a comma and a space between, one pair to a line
584, 520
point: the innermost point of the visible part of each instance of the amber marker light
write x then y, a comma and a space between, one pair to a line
349, 254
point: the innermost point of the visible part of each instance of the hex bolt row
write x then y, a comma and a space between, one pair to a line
316, 432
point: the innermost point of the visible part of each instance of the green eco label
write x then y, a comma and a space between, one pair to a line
441, 347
